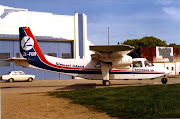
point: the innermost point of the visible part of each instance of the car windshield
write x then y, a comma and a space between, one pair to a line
147, 63
9, 72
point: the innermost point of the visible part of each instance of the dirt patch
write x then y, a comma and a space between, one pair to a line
21, 100
28, 100
39, 106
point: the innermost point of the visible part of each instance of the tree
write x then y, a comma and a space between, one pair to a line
147, 41
133, 42
174, 45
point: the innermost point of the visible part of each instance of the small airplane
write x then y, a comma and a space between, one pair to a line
107, 63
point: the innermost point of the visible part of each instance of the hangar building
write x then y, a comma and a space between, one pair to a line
61, 36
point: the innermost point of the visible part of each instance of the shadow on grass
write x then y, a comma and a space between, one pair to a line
93, 86
6, 87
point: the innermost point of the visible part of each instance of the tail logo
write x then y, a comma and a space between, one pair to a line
27, 43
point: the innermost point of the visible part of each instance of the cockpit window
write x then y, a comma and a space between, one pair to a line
137, 64
147, 63
98, 65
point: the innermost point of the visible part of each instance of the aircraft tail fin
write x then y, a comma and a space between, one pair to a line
29, 47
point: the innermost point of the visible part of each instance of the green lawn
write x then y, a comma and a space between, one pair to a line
154, 101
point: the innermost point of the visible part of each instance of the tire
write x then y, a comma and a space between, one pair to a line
164, 80
11, 80
106, 83
30, 79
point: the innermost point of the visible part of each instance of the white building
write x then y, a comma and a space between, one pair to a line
58, 35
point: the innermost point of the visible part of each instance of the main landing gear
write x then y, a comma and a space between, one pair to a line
106, 83
164, 80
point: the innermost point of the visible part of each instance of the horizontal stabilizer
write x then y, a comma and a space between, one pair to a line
19, 61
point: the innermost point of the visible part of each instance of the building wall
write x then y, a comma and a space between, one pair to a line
59, 47
41, 23
58, 34
176, 52
161, 54
47, 25
148, 53
167, 57
164, 54
174, 68
177, 68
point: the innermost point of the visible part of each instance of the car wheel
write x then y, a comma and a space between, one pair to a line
30, 79
10, 80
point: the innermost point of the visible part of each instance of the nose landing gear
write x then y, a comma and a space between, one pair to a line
164, 80
106, 83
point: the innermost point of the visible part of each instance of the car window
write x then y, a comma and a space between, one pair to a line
12, 73
21, 73
15, 73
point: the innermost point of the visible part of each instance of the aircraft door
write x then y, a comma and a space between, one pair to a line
136, 65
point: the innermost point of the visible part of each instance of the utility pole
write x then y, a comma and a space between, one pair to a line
108, 35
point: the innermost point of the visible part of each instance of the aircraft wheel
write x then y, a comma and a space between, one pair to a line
164, 80
106, 83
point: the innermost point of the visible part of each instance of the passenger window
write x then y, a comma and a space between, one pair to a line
137, 64
98, 65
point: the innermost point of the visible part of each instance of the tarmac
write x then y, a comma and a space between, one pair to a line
29, 100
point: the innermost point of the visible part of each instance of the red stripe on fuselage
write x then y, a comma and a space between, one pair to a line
40, 53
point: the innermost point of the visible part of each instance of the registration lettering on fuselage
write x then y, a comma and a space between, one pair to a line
144, 70
29, 54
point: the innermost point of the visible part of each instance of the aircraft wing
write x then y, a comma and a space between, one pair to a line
109, 53
19, 61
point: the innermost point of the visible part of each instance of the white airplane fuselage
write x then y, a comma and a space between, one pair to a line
91, 69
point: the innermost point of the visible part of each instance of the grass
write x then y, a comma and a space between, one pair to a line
155, 101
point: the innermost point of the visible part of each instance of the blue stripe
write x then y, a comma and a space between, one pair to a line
134, 73
40, 64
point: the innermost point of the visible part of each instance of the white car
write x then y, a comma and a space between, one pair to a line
17, 76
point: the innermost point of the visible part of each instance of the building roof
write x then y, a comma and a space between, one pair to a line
37, 37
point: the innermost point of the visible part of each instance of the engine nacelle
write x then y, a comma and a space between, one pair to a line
123, 63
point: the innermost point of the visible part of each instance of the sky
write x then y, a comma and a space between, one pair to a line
126, 19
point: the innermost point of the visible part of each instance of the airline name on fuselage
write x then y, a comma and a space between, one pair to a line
144, 70
69, 65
